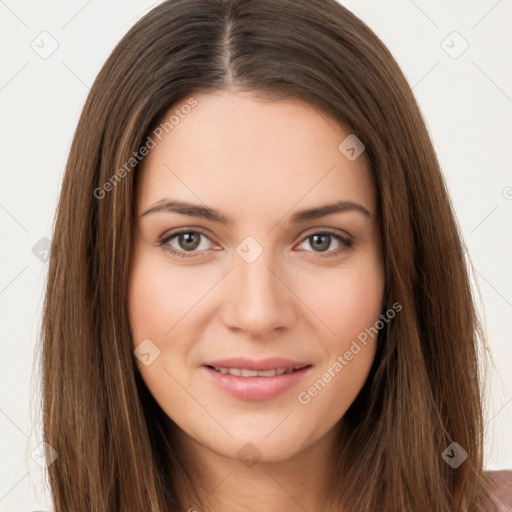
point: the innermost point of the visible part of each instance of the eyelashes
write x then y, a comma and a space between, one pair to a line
318, 237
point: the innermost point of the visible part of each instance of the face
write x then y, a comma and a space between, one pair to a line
236, 268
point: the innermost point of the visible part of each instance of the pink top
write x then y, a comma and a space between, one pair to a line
500, 500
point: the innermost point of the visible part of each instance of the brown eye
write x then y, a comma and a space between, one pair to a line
186, 243
321, 242
189, 241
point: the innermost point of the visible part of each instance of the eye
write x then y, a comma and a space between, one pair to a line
322, 240
187, 241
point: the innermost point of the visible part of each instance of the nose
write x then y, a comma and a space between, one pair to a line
260, 299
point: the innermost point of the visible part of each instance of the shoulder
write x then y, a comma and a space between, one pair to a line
500, 497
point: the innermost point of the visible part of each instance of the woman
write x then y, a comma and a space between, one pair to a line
258, 297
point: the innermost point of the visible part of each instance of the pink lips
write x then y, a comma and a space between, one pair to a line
256, 388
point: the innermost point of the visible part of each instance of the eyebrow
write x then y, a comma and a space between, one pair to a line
194, 210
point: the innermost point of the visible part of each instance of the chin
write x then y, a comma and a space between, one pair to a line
255, 444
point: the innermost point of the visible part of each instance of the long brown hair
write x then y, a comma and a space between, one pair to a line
114, 443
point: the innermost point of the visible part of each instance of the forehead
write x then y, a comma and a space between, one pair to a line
251, 153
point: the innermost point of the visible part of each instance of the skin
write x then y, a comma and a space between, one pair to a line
258, 162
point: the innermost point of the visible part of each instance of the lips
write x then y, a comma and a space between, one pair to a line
255, 380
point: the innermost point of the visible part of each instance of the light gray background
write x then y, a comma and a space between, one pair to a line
466, 99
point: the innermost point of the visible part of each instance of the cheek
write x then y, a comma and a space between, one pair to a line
157, 303
348, 300
159, 298
351, 308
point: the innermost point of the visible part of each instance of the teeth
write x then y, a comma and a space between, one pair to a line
255, 373
249, 373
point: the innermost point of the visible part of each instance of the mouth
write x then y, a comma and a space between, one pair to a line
266, 381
